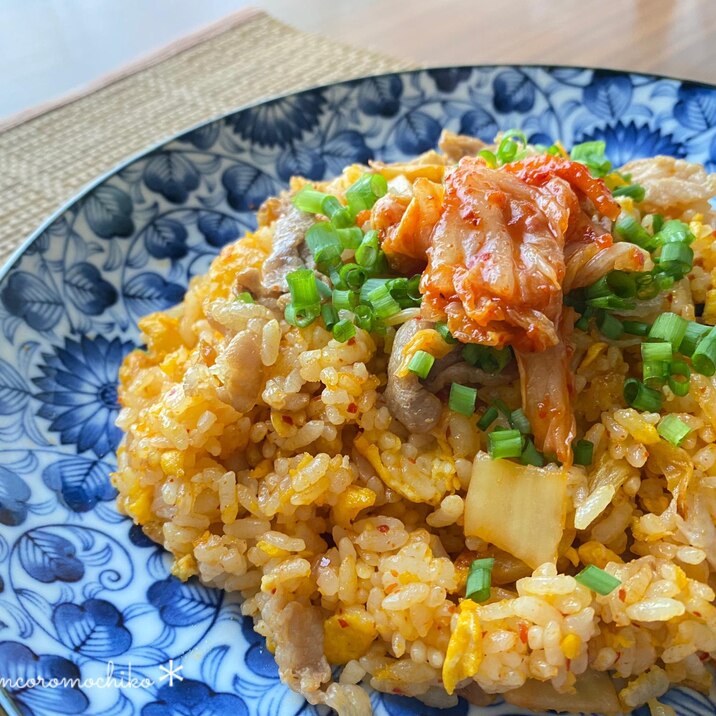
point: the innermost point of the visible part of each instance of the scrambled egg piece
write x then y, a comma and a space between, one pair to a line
428, 340
351, 502
348, 635
464, 652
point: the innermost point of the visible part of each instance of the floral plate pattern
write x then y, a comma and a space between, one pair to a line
84, 595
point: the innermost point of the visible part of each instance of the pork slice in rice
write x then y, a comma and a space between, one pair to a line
240, 371
456, 146
298, 633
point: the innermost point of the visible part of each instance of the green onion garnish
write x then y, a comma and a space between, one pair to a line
462, 399
704, 356
640, 397
502, 407
656, 351
384, 305
245, 297
488, 358
675, 231
673, 429
324, 244
629, 229
364, 317
310, 200
531, 455
303, 288
489, 157
350, 238
592, 154
444, 331
609, 326
635, 191
676, 259
636, 328
421, 363
368, 254
504, 443
657, 221
679, 378
519, 421
669, 327
329, 315
344, 330
301, 317
340, 215
598, 580
655, 373
353, 276
345, 299
364, 192
509, 150
488, 417
694, 333
479, 579
583, 452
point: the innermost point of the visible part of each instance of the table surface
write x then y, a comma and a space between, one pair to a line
51, 47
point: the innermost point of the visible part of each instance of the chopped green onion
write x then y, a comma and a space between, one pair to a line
302, 285
421, 363
598, 580
488, 417
353, 276
635, 191
301, 316
676, 259
656, 351
531, 455
368, 254
704, 356
462, 399
444, 331
384, 305
629, 229
519, 421
340, 215
592, 154
582, 323
479, 578
610, 326
504, 443
345, 299
502, 407
324, 289
350, 238
675, 231
364, 317
344, 330
655, 373
309, 200
622, 283
489, 157
663, 281
679, 369
636, 328
583, 452
488, 358
673, 429
245, 297
370, 285
669, 327
613, 303
364, 192
414, 288
647, 286
324, 244
640, 397
694, 333
329, 315
657, 221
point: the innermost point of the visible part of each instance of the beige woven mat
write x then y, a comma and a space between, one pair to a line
45, 160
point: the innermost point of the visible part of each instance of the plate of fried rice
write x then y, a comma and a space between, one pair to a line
395, 396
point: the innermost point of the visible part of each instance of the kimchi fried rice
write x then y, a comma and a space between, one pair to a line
450, 426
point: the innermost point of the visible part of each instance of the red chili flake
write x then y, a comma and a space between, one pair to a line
396, 690
287, 419
383, 528
352, 408
703, 656
273, 591
523, 632
568, 662
351, 341
622, 595
343, 623
697, 614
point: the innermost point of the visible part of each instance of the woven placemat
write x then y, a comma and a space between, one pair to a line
46, 160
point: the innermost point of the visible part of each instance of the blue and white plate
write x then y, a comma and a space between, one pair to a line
84, 595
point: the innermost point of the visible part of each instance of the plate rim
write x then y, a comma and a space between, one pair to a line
25, 244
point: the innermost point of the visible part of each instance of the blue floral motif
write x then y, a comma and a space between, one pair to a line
87, 290
79, 392
19, 662
514, 91
83, 576
380, 95
171, 174
279, 121
94, 628
192, 698
182, 603
625, 142
14, 494
448, 78
81, 482
48, 557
